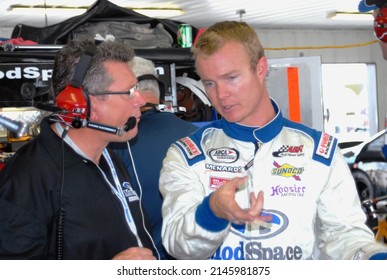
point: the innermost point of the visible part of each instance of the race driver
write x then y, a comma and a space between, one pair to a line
255, 185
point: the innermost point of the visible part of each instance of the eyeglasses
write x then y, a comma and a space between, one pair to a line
130, 92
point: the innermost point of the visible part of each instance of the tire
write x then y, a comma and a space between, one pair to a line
364, 186
365, 190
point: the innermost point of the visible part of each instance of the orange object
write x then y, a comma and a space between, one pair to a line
381, 230
294, 94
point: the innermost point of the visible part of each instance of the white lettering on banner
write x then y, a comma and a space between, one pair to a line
31, 72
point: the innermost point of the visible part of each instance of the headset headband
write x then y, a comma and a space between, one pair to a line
83, 66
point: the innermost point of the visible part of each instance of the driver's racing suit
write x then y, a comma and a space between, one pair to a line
308, 191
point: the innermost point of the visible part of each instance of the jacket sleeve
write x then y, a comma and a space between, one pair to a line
343, 231
22, 234
186, 201
25, 215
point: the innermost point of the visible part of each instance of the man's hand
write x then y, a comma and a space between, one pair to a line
223, 204
135, 253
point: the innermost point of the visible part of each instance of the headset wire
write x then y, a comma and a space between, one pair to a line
140, 188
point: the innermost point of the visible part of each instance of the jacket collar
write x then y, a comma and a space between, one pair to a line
253, 134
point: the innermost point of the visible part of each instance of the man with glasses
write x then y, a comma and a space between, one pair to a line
64, 195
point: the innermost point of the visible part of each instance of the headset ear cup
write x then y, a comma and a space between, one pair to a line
73, 101
78, 121
75, 105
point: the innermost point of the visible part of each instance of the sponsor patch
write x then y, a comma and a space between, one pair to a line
220, 168
324, 148
216, 183
251, 246
287, 170
288, 191
223, 155
254, 250
288, 150
189, 146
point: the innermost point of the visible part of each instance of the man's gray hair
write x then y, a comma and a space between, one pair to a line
142, 66
97, 78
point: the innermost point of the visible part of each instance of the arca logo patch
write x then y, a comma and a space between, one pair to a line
223, 155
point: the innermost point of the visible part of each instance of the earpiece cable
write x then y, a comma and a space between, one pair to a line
140, 188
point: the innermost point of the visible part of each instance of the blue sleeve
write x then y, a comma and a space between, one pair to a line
379, 256
207, 219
